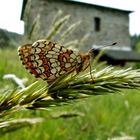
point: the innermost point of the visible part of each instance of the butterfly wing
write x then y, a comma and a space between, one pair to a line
48, 60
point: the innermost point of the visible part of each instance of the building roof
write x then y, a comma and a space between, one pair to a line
23, 9
120, 55
81, 2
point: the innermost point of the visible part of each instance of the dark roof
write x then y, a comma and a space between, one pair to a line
119, 55
77, 1
123, 55
23, 9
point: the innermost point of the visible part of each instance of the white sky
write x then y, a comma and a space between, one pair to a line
10, 11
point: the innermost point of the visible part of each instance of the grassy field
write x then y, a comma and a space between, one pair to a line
104, 116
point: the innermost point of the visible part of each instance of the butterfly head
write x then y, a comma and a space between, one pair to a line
84, 62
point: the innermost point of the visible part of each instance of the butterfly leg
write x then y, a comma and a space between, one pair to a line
54, 96
90, 69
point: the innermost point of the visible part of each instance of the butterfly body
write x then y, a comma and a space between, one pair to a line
49, 60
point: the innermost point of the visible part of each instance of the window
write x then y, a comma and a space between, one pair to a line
97, 24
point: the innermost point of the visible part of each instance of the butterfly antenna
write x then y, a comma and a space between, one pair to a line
92, 50
90, 69
113, 44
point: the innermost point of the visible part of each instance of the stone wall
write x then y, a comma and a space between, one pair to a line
114, 23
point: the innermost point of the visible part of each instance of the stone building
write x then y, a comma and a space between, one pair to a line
105, 24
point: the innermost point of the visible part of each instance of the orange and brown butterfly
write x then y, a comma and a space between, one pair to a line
49, 60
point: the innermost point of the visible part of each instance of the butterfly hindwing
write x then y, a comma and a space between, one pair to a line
48, 60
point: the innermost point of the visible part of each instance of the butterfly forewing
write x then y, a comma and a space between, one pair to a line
48, 60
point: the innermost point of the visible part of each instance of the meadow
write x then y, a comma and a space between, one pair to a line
102, 117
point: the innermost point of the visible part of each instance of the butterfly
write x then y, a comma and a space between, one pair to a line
49, 60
